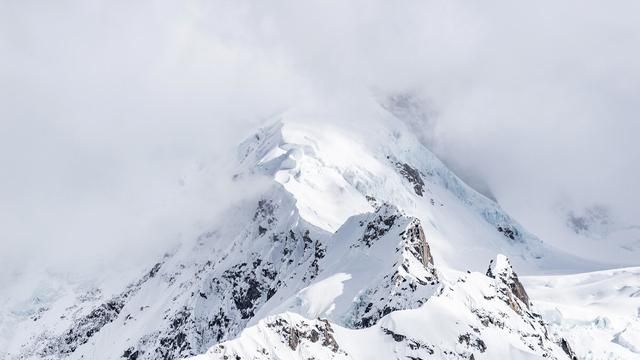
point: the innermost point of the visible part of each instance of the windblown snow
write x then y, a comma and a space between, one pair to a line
363, 246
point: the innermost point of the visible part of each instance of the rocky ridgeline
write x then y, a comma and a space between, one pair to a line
202, 303
220, 298
213, 301
286, 336
485, 314
227, 299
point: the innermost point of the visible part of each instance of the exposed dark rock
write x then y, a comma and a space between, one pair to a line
412, 344
131, 354
244, 298
413, 176
175, 343
396, 337
373, 201
502, 270
154, 270
487, 319
85, 327
509, 231
294, 339
564, 344
265, 216
398, 290
416, 236
265, 211
327, 335
219, 323
384, 219
295, 333
472, 341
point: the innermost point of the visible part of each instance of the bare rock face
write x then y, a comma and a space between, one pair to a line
413, 241
475, 317
501, 270
415, 232
285, 336
564, 344
412, 277
383, 221
413, 176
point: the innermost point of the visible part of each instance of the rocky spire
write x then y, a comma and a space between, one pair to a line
501, 270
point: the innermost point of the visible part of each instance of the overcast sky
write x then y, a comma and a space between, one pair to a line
106, 106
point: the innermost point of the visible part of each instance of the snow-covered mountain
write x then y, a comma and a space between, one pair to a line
361, 245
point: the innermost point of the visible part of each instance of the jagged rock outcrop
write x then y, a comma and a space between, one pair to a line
413, 176
286, 336
419, 246
500, 269
400, 274
400, 240
470, 318
564, 344
204, 299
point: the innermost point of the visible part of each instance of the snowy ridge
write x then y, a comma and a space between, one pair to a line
190, 301
333, 171
598, 312
309, 162
467, 319
376, 263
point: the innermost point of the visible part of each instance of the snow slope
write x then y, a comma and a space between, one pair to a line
476, 317
598, 312
331, 171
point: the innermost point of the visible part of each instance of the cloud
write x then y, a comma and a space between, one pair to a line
545, 110
106, 105
536, 100
105, 108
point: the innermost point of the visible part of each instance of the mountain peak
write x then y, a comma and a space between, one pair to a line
360, 227
500, 269
332, 169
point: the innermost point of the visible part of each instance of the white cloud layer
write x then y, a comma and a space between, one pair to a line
106, 105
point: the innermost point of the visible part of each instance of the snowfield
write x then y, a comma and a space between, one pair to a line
598, 312
363, 245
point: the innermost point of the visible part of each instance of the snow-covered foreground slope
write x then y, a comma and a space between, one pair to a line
357, 244
476, 317
599, 312
596, 314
